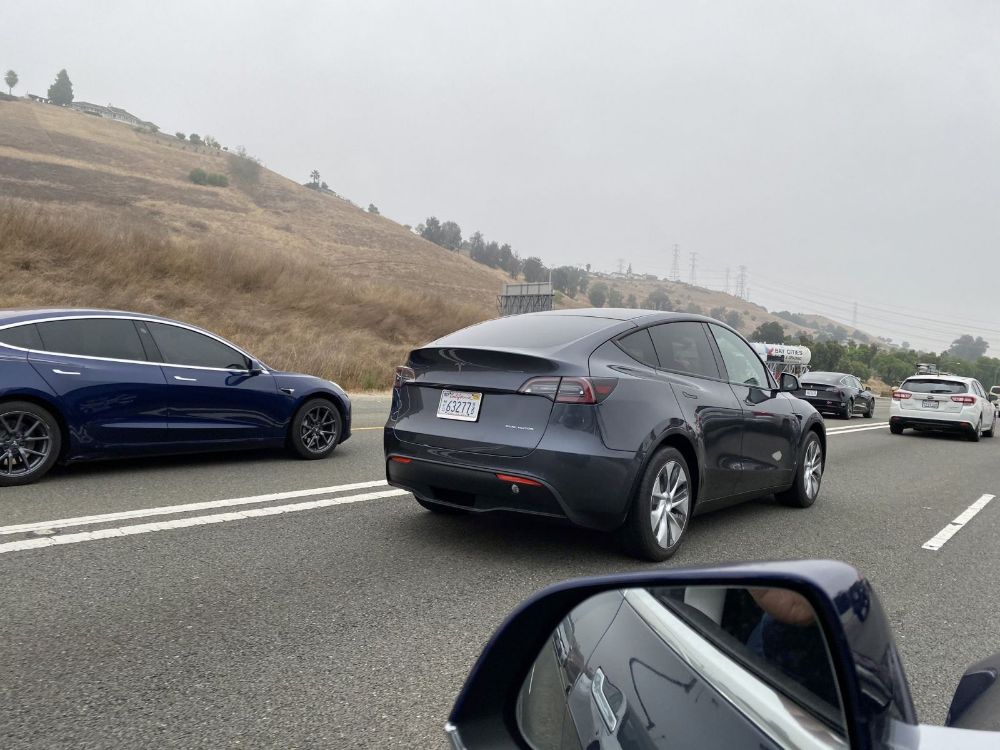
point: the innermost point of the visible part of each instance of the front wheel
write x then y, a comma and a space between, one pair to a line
809, 477
660, 509
316, 429
30, 441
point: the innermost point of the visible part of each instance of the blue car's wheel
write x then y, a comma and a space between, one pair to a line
30, 441
316, 429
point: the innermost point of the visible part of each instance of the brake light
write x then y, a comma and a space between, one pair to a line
401, 460
964, 399
519, 480
571, 390
901, 395
403, 375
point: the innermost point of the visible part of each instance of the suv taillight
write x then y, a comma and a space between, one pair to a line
403, 375
571, 390
964, 399
901, 395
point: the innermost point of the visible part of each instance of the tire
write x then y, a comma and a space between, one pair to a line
444, 510
27, 429
655, 526
993, 426
895, 429
808, 478
978, 432
848, 410
870, 412
315, 430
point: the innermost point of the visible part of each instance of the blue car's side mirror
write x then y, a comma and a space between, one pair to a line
795, 654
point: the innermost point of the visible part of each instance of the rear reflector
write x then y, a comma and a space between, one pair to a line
518, 480
901, 395
964, 399
401, 460
574, 390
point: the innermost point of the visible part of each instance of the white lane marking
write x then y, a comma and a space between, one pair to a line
938, 540
180, 523
168, 510
848, 430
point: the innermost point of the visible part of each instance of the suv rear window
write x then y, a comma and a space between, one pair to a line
934, 386
527, 331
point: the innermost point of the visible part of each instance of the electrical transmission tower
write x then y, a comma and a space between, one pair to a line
854, 316
727, 281
693, 277
741, 283
675, 269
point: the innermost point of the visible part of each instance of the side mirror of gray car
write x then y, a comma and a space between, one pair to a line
789, 383
992, 397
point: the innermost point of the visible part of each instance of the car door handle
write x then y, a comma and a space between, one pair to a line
601, 701
186, 380
65, 372
689, 395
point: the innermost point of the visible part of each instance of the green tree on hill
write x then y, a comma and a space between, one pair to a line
615, 297
11, 80
314, 178
373, 209
598, 294
534, 270
61, 92
968, 348
195, 139
770, 333
734, 319
180, 136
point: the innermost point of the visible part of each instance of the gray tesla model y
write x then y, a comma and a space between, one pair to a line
627, 420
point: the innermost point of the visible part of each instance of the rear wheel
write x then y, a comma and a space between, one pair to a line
660, 509
445, 510
848, 410
315, 429
977, 433
895, 429
993, 425
809, 477
30, 441
870, 411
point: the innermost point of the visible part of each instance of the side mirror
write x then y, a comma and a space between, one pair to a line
976, 703
789, 383
992, 397
790, 654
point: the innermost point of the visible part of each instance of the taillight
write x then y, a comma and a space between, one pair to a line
964, 399
403, 375
901, 395
571, 390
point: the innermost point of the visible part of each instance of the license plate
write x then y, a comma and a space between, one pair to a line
812, 393
929, 404
460, 405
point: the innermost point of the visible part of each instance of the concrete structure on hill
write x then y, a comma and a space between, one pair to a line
111, 113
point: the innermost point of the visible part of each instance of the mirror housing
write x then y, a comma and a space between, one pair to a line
976, 703
992, 397
873, 687
789, 382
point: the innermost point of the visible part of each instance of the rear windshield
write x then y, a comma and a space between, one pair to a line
828, 378
934, 386
527, 331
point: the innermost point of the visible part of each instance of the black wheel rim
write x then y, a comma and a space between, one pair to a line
25, 443
319, 429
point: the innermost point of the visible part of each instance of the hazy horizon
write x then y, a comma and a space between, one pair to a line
845, 153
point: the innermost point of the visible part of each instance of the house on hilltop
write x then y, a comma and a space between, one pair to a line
111, 113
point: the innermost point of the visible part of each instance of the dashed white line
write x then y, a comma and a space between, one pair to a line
168, 510
938, 540
847, 430
180, 523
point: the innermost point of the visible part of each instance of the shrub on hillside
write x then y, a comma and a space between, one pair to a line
199, 176
218, 180
244, 167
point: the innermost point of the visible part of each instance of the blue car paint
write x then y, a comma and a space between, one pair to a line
122, 408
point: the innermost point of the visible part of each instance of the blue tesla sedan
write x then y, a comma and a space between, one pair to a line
79, 385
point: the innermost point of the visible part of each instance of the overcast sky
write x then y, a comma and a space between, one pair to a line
843, 151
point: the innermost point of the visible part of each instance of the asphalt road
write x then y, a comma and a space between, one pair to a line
353, 624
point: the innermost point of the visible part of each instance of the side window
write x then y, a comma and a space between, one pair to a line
179, 346
639, 346
24, 337
742, 363
111, 338
684, 347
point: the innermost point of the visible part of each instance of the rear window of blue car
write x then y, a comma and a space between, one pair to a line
23, 337
108, 338
528, 331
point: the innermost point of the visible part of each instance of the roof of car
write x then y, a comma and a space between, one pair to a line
10, 317
611, 313
940, 376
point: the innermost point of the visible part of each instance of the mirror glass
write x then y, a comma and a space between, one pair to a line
688, 667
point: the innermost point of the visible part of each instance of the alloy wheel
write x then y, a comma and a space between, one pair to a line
25, 443
813, 469
670, 504
319, 429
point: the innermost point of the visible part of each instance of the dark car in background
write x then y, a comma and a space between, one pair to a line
91, 384
625, 420
837, 393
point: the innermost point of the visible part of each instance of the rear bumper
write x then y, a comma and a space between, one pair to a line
825, 404
591, 489
959, 424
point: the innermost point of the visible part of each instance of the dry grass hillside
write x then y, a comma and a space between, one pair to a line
96, 214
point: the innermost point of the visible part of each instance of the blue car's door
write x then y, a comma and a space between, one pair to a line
214, 393
112, 397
